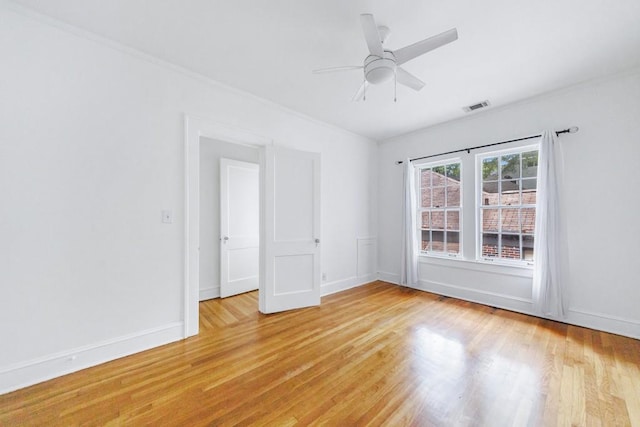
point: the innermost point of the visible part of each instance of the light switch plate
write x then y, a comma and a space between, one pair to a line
167, 216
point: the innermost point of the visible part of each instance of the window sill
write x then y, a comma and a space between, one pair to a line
492, 267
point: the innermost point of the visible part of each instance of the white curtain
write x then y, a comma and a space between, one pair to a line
549, 296
409, 267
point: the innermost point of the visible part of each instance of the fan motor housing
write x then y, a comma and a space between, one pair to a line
380, 69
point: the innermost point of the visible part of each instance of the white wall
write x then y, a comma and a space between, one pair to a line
601, 195
210, 153
91, 151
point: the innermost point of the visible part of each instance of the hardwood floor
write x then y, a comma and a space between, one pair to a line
377, 354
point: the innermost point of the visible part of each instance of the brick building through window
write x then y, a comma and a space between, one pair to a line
440, 204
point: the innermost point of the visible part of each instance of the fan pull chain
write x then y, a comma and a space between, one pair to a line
395, 85
364, 84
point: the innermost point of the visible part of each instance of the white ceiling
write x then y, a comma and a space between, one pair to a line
507, 50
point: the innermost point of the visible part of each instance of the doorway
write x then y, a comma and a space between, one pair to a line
229, 208
289, 252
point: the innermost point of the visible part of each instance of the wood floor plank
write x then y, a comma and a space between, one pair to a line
378, 354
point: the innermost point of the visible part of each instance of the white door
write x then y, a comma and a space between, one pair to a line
239, 227
291, 230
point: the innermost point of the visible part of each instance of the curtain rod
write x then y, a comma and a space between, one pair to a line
572, 129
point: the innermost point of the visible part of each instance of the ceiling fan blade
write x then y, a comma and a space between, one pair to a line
333, 69
371, 34
359, 96
406, 78
407, 53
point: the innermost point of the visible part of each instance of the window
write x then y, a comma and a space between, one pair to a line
439, 215
507, 204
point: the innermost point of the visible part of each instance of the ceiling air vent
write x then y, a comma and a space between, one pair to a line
477, 106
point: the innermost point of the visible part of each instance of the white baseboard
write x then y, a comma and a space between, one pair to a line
209, 293
344, 284
604, 322
389, 277
583, 318
507, 302
326, 288
24, 374
578, 317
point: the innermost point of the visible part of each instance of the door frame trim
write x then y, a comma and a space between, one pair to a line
196, 127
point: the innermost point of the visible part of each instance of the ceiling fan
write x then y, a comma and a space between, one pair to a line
381, 64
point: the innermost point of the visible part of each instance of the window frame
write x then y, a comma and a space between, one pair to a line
479, 207
420, 209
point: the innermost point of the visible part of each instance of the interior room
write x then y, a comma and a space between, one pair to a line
321, 212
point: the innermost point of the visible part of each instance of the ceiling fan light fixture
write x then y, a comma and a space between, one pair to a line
379, 70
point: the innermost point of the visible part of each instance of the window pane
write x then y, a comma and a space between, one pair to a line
453, 220
437, 242
438, 176
453, 195
529, 184
527, 248
509, 220
438, 197
529, 197
490, 169
528, 220
489, 245
425, 220
437, 220
510, 166
453, 242
510, 246
529, 164
510, 193
425, 196
453, 172
529, 191
489, 220
490, 193
425, 177
425, 240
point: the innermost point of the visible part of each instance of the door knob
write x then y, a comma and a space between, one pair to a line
224, 239
317, 242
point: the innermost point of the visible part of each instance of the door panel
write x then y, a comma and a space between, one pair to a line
292, 274
244, 197
239, 227
291, 220
293, 197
